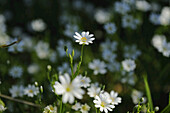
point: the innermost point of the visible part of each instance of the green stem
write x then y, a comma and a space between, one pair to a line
61, 106
148, 93
80, 62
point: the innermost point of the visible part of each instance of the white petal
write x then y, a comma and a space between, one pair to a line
59, 89
91, 35
77, 40
65, 97
83, 34
71, 99
76, 37
67, 77
62, 80
78, 34
92, 38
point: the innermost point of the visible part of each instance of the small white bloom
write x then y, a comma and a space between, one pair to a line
136, 96
4, 38
110, 28
68, 89
158, 41
42, 50
77, 106
84, 81
33, 68
16, 71
102, 16
50, 109
155, 18
31, 90
93, 90
85, 108
38, 25
17, 91
143, 5
98, 67
2, 108
121, 7
84, 38
165, 49
103, 102
165, 16
114, 97
128, 65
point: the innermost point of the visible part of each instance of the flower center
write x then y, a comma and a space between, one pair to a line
68, 89
113, 99
103, 104
31, 91
51, 108
84, 107
83, 39
83, 81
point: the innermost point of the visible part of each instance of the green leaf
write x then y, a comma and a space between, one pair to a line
148, 93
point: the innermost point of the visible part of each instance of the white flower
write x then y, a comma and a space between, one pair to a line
155, 18
42, 50
70, 29
158, 41
143, 5
165, 49
121, 7
31, 90
84, 38
129, 21
136, 96
93, 90
50, 109
128, 65
110, 28
38, 25
16, 71
98, 67
68, 89
102, 16
84, 81
165, 16
2, 108
17, 91
33, 68
85, 108
77, 106
4, 38
131, 52
115, 100
103, 102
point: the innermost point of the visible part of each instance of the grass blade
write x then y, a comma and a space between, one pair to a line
148, 93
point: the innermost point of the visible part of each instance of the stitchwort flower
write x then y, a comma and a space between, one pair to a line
68, 89
84, 38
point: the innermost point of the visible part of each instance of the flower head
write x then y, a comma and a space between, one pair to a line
50, 109
84, 38
98, 66
17, 91
128, 65
103, 102
31, 90
68, 89
85, 108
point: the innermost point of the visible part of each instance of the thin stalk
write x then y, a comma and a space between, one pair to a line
148, 93
61, 106
20, 101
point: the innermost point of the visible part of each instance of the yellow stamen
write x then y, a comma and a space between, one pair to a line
83, 39
102, 104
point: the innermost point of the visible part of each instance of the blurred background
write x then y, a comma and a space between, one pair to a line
122, 29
